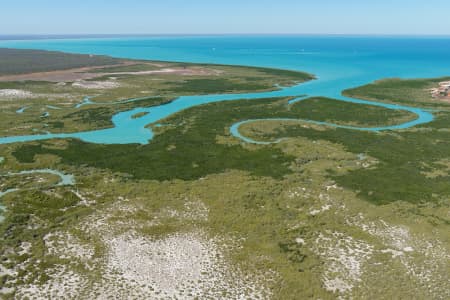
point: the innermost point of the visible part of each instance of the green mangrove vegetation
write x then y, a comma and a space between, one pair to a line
346, 113
410, 91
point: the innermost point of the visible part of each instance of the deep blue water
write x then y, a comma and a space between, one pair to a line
340, 62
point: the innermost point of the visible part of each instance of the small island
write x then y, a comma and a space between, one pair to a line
139, 115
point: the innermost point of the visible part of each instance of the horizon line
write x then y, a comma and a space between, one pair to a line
30, 36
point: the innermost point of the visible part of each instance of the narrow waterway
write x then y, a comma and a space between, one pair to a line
64, 179
128, 130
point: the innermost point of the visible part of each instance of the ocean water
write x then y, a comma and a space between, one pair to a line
343, 60
339, 62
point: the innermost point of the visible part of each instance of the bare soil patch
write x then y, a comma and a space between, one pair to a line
86, 73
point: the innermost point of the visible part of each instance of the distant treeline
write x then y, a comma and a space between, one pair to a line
17, 61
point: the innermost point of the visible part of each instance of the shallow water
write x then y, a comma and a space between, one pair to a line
339, 62
65, 179
22, 109
86, 101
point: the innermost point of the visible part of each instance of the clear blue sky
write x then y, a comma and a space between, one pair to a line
225, 16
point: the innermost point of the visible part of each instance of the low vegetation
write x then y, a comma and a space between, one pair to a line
16, 61
414, 92
320, 214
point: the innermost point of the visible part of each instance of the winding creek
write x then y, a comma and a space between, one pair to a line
64, 179
128, 130
423, 117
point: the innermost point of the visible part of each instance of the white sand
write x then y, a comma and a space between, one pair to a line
182, 265
345, 258
96, 84
425, 259
12, 93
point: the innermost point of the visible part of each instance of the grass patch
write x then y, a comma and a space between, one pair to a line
410, 92
30, 216
129, 68
215, 86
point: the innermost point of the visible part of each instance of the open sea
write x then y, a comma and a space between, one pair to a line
340, 61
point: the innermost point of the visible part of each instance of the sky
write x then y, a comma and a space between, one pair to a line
417, 17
